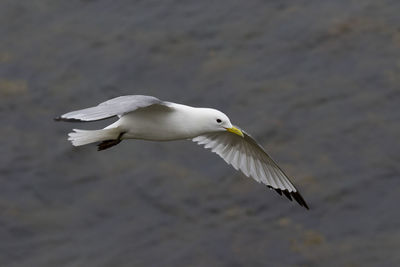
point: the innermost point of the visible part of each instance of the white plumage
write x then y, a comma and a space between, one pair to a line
148, 118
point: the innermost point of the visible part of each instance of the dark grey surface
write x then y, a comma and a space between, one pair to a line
316, 82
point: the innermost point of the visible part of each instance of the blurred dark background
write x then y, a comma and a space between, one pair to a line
315, 82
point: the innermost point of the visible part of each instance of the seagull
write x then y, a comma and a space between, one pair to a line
149, 118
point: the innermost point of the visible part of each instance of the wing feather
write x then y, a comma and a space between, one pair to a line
246, 155
114, 107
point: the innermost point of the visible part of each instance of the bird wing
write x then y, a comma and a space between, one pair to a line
245, 154
114, 107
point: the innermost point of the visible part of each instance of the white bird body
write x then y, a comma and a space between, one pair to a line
158, 123
148, 118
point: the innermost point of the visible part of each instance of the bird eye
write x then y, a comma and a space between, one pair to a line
219, 121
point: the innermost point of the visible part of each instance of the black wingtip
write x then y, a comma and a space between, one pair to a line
292, 195
67, 120
299, 199
287, 194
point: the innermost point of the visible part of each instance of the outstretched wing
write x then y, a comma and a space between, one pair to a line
114, 107
245, 154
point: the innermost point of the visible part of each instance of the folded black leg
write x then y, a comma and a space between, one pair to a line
109, 143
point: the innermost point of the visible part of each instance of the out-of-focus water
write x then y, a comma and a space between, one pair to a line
316, 82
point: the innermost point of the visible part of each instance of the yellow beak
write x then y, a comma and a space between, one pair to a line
235, 131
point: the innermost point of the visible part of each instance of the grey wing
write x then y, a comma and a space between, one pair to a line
247, 155
114, 107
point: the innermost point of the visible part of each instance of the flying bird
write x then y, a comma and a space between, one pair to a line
149, 118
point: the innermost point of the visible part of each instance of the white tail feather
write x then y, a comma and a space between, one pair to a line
83, 137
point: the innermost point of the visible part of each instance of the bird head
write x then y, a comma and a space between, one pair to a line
217, 121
